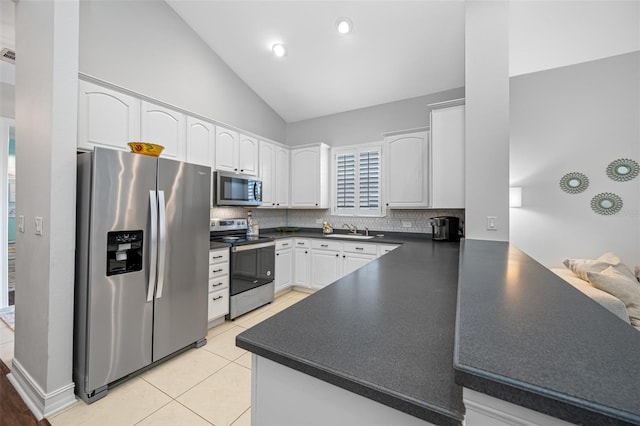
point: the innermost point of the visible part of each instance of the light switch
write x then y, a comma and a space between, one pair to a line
39, 230
492, 223
21, 223
406, 224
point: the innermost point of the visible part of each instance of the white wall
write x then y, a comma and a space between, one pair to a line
367, 124
146, 47
487, 118
577, 118
551, 34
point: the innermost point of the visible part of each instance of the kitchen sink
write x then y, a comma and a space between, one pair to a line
351, 236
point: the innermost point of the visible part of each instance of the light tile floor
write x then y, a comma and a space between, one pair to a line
210, 385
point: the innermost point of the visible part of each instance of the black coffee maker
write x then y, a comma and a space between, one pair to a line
445, 228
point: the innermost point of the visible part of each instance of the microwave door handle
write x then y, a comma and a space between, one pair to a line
162, 242
255, 192
153, 225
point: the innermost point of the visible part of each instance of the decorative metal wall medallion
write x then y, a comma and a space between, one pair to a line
574, 182
606, 203
623, 169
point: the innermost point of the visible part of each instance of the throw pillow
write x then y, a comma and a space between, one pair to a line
580, 267
621, 286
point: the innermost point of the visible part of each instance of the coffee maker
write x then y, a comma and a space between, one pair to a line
445, 228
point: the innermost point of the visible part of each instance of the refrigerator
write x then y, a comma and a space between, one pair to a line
142, 245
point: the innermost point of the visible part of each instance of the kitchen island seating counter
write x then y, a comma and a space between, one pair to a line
404, 332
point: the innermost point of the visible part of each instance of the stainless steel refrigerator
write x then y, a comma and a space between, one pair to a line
142, 247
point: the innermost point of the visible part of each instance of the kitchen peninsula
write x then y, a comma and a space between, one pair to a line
380, 344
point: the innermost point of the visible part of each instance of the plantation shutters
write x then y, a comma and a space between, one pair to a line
357, 177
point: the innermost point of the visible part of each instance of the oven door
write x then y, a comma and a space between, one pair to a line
252, 265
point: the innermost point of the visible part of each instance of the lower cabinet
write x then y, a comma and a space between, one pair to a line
326, 263
386, 248
356, 255
284, 264
302, 262
218, 284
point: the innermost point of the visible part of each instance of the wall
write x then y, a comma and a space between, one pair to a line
577, 118
367, 124
146, 47
7, 89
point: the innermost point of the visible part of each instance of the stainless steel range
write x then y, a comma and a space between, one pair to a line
252, 265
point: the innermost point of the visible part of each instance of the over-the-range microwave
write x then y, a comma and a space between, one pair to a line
230, 189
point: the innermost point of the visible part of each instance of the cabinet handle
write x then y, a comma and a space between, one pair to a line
300, 244
387, 204
316, 204
344, 255
285, 244
273, 204
242, 170
305, 252
277, 254
216, 285
217, 298
235, 170
218, 257
359, 248
278, 204
218, 270
337, 255
324, 245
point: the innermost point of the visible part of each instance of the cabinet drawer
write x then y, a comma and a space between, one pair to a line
218, 283
218, 270
361, 248
302, 243
218, 303
326, 245
284, 244
218, 256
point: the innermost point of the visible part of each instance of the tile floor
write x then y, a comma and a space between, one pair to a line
210, 385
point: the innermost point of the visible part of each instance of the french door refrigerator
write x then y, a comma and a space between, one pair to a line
142, 244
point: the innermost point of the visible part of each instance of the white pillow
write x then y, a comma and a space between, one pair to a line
581, 267
621, 286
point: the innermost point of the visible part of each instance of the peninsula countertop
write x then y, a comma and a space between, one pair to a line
384, 331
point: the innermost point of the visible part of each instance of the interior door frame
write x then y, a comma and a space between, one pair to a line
5, 123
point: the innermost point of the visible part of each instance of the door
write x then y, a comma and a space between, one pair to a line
248, 155
166, 127
284, 266
301, 267
180, 316
226, 150
282, 177
305, 175
200, 143
407, 170
268, 174
119, 315
325, 267
354, 261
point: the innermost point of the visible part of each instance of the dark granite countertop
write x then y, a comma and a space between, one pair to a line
384, 332
385, 238
525, 336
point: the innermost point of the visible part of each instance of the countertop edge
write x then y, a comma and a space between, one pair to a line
367, 390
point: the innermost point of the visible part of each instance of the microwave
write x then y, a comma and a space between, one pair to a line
230, 189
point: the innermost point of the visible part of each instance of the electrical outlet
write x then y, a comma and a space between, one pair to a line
492, 223
21, 223
406, 224
39, 225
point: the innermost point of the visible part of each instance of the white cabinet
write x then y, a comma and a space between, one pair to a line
356, 255
274, 172
218, 284
310, 177
165, 127
407, 179
386, 248
326, 262
302, 262
447, 155
236, 153
284, 264
200, 142
106, 118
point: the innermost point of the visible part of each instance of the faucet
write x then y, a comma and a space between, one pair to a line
352, 228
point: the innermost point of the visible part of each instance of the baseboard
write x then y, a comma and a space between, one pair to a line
40, 403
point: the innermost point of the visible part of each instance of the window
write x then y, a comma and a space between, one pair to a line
357, 181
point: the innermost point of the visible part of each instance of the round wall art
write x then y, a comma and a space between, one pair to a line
574, 183
623, 169
606, 203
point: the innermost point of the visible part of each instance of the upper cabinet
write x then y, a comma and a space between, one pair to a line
200, 142
407, 179
166, 127
274, 172
447, 152
310, 177
106, 118
236, 153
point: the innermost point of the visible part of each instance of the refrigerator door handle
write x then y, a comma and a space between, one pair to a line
162, 244
153, 208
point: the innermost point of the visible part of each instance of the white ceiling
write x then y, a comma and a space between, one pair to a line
397, 50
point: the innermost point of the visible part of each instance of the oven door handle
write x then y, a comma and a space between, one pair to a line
255, 246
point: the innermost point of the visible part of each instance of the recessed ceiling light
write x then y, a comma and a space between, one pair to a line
344, 25
279, 50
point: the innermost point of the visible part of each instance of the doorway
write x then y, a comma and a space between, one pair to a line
8, 220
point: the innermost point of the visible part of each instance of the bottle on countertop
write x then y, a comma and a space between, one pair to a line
249, 224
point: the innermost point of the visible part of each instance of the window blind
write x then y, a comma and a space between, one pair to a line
369, 174
346, 181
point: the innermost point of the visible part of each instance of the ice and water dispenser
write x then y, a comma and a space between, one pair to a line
124, 252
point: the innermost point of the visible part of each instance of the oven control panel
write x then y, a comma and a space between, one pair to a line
227, 224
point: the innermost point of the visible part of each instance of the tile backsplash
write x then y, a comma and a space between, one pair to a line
393, 222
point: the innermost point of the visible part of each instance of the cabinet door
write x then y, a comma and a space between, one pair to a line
353, 261
106, 118
325, 267
248, 155
301, 267
226, 150
268, 173
408, 170
200, 142
282, 177
284, 264
166, 127
305, 175
447, 153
